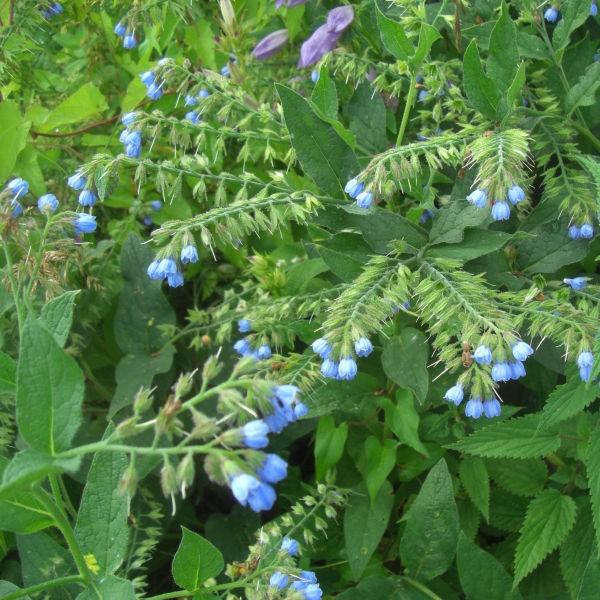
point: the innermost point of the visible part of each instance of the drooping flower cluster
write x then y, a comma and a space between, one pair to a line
165, 266
244, 346
80, 183
55, 9
194, 100
15, 189
355, 189
345, 368
585, 232
131, 138
500, 208
154, 88
129, 39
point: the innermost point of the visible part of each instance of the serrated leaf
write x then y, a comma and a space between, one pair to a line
480, 89
380, 460
550, 516
393, 37
195, 561
567, 400
574, 13
515, 438
592, 466
57, 315
475, 480
522, 476
506, 510
503, 59
364, 524
481, 576
428, 544
590, 581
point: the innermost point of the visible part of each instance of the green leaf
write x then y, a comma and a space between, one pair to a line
142, 311
49, 391
480, 89
427, 37
481, 576
364, 524
475, 480
324, 156
567, 400
590, 581
404, 361
592, 466
345, 254
8, 374
23, 513
324, 96
375, 587
583, 93
403, 419
329, 444
451, 221
532, 46
574, 13
101, 527
428, 544
367, 118
503, 59
299, 275
13, 133
380, 460
577, 549
8, 586
57, 316
515, 438
476, 242
86, 102
523, 476
506, 510
109, 588
513, 95
393, 37
550, 516
195, 561
593, 167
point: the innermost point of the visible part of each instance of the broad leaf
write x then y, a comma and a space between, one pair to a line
8, 374
23, 513
522, 476
583, 93
475, 480
427, 36
324, 96
480, 89
379, 461
329, 444
367, 118
403, 419
110, 588
476, 242
574, 13
451, 221
13, 133
503, 59
567, 400
57, 315
393, 37
592, 465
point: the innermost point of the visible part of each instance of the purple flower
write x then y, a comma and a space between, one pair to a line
339, 19
255, 434
474, 408
290, 546
271, 44
273, 469
318, 44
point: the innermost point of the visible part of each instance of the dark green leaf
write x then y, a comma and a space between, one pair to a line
428, 544
364, 524
345, 254
590, 581
550, 516
513, 95
427, 36
13, 133
523, 476
475, 480
574, 13
476, 242
109, 588
479, 88
503, 58
592, 465
299, 275
532, 46
393, 37
583, 93
23, 513
195, 561
403, 420
324, 96
329, 444
366, 115
451, 221
57, 315
375, 587
567, 400
324, 156
8, 374
380, 460
404, 361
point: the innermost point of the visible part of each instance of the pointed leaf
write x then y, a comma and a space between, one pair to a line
503, 59
475, 480
567, 400
380, 460
427, 36
109, 588
480, 89
393, 37
592, 466
403, 420
57, 315
583, 93
324, 95
329, 444
8, 374
522, 476
574, 13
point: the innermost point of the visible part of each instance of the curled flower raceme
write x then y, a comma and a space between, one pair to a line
271, 44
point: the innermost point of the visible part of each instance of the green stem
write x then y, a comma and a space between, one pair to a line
13, 285
410, 98
421, 587
46, 585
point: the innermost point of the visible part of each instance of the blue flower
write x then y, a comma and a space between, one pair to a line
203, 93
354, 188
321, 347
85, 223
574, 232
300, 410
364, 200
500, 211
474, 408
491, 408
577, 283
242, 346
168, 266
190, 100
175, 279
129, 41
255, 434
516, 194
133, 150
551, 14
347, 368
314, 75
128, 118
154, 271
189, 254
17, 208
455, 394
154, 91
425, 216
156, 205
363, 347
478, 198
593, 9
521, 351
329, 368
19, 187
193, 117
225, 71
120, 29
147, 77
47, 203
55, 9
244, 325
483, 355
312, 592
283, 416
278, 580
585, 359
147, 221
586, 231
501, 372
306, 578
273, 469
242, 485
422, 95
287, 393
290, 546
262, 497
517, 369
77, 181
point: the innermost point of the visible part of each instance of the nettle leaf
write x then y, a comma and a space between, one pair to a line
403, 419
523, 476
550, 516
365, 523
481, 576
583, 93
592, 466
329, 444
379, 461
404, 361
428, 544
57, 316
503, 59
49, 391
515, 438
323, 154
574, 13
195, 561
590, 581
480, 89
567, 400
475, 480
345, 254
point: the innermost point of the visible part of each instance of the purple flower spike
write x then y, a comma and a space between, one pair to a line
271, 44
318, 44
339, 19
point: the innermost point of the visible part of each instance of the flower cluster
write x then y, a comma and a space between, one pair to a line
500, 208
15, 189
129, 39
194, 100
355, 189
131, 138
577, 283
79, 182
154, 88
585, 232
243, 346
345, 368
165, 266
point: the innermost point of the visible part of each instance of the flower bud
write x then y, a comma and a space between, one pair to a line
168, 479
142, 401
185, 473
228, 15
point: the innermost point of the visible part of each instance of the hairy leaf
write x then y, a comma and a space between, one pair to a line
567, 400
475, 480
503, 60
380, 460
583, 93
522, 476
57, 315
480, 89
329, 444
